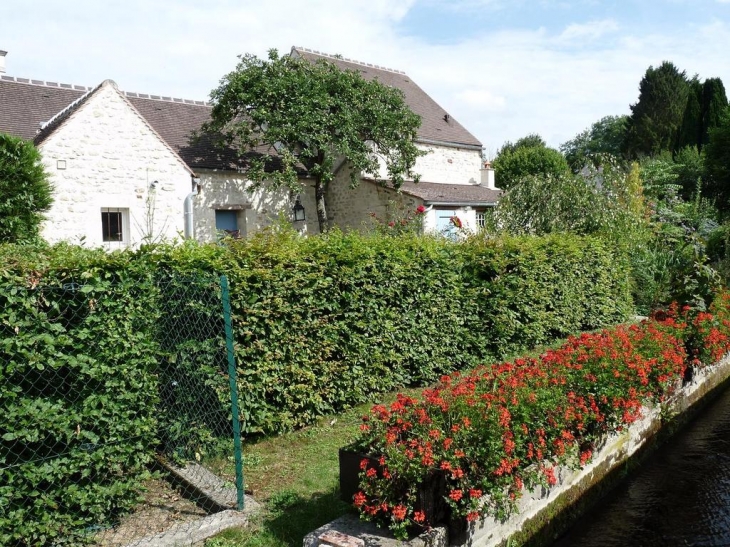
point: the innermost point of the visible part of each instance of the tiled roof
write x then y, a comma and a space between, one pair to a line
26, 104
437, 125
432, 192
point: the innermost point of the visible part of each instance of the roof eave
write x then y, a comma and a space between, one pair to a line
460, 203
448, 144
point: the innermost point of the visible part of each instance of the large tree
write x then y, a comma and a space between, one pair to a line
714, 103
529, 156
717, 162
25, 193
604, 137
287, 114
657, 116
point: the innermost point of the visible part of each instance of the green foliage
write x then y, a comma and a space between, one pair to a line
323, 323
672, 264
590, 203
690, 131
77, 390
606, 136
657, 116
25, 193
717, 163
285, 113
714, 105
527, 157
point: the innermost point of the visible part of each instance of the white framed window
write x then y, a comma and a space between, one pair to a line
115, 226
481, 219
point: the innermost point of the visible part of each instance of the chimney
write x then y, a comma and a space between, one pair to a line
2, 61
487, 176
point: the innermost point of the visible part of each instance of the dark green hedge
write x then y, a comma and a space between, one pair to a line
77, 396
322, 323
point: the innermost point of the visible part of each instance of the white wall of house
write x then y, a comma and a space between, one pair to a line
449, 165
254, 210
446, 164
105, 157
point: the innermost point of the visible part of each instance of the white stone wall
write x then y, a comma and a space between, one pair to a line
446, 164
105, 155
258, 208
351, 208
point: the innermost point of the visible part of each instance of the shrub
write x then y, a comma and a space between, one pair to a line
25, 193
77, 390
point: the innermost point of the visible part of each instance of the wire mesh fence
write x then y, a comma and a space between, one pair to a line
118, 416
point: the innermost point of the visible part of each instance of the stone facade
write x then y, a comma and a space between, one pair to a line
105, 156
352, 208
228, 190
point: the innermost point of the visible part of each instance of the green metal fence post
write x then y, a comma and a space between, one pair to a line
226, 298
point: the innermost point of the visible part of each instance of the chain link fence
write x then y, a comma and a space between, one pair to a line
118, 410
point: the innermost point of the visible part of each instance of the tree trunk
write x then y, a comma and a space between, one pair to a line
321, 209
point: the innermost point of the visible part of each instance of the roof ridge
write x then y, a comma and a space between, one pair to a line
149, 96
348, 60
44, 83
75, 87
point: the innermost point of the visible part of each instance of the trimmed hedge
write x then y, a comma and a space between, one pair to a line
322, 323
78, 395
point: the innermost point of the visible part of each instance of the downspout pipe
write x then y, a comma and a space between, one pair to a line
188, 209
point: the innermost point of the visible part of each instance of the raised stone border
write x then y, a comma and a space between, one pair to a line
194, 532
210, 492
536, 509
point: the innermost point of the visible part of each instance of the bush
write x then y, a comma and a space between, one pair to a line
77, 390
25, 193
322, 323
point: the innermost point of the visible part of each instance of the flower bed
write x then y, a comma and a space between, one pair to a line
496, 429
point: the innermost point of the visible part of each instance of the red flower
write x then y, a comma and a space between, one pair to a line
359, 499
456, 495
419, 516
475, 493
471, 517
420, 209
399, 512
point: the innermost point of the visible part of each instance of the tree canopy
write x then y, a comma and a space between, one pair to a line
287, 115
717, 162
606, 136
657, 116
529, 156
25, 192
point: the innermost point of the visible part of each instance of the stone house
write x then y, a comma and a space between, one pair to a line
125, 168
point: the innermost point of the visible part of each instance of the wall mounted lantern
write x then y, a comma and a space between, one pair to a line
298, 210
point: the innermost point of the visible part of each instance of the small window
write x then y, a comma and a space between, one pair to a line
114, 225
227, 222
482, 217
481, 220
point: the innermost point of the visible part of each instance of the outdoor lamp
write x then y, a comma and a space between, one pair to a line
298, 210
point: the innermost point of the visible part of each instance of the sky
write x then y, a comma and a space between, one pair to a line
503, 68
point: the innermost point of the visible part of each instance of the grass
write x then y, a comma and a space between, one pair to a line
296, 478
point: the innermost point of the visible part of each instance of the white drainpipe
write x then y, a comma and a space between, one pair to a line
188, 209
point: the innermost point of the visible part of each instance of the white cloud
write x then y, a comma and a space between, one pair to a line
501, 84
590, 30
481, 99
